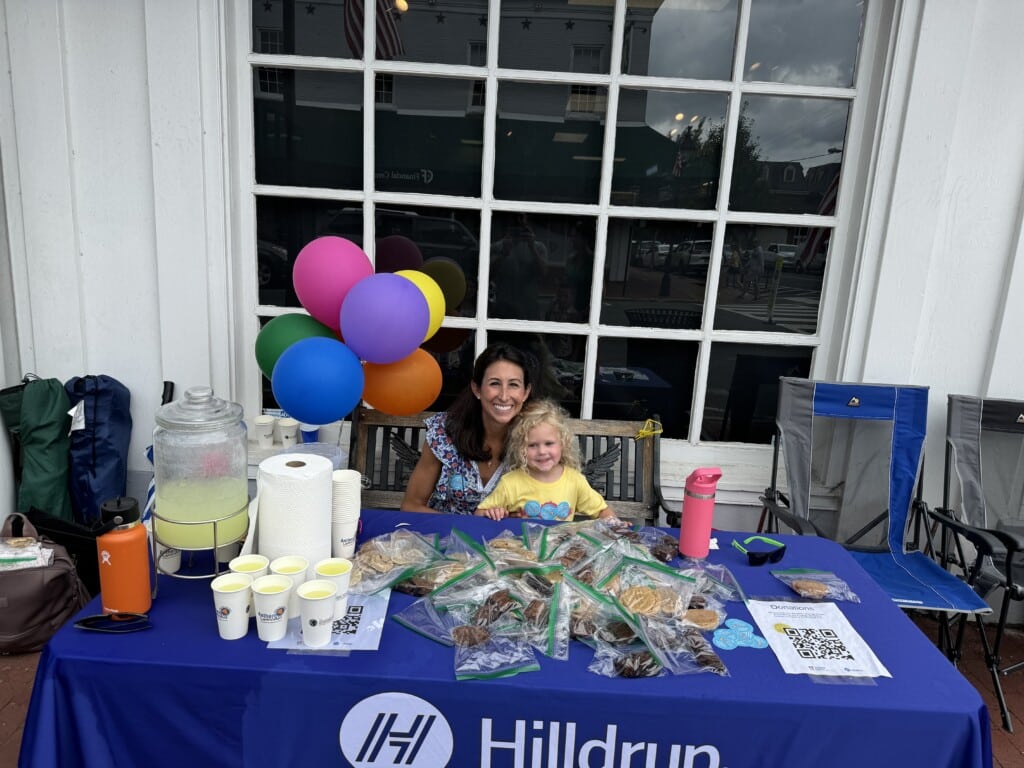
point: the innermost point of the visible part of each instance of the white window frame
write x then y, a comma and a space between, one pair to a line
746, 466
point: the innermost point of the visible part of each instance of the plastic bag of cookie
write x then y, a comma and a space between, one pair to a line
481, 654
509, 549
435, 575
682, 649
535, 581
423, 618
813, 584
632, 661
390, 558
660, 545
595, 619
649, 588
545, 622
714, 580
459, 545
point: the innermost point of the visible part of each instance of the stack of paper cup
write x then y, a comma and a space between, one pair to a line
345, 487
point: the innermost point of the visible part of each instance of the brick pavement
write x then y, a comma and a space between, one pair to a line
17, 673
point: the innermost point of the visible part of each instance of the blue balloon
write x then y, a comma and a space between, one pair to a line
317, 380
384, 318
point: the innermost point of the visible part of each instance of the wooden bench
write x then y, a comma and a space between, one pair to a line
620, 461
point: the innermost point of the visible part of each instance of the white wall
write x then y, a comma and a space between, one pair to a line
116, 254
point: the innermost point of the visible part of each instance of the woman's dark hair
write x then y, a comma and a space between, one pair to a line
465, 423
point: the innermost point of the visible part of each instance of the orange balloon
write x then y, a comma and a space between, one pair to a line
405, 387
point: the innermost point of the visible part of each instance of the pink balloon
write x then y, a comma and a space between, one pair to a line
324, 272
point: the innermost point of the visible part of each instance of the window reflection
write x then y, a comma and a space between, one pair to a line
655, 273
743, 390
559, 373
771, 279
804, 43
308, 128
788, 153
427, 31
549, 141
680, 38
424, 139
668, 148
444, 241
556, 37
541, 267
645, 379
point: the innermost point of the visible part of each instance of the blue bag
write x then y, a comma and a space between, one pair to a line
99, 443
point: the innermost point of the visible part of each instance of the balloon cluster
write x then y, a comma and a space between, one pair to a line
361, 339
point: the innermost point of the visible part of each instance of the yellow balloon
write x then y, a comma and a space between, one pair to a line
432, 293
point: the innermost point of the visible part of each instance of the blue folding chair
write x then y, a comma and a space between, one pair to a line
853, 455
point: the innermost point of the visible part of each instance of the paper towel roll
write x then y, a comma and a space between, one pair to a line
294, 517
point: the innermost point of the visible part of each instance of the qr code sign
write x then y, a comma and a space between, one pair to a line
818, 644
349, 623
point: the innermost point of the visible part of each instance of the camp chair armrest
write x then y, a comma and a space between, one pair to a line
988, 541
798, 524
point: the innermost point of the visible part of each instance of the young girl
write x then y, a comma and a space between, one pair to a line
543, 481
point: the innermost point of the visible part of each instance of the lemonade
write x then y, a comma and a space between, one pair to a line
271, 589
317, 594
199, 502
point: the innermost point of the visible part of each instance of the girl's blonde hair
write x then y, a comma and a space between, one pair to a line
535, 413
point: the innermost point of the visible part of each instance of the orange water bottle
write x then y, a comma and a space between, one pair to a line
123, 557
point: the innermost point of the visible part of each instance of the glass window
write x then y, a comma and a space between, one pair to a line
669, 262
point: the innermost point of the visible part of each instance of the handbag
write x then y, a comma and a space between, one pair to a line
35, 601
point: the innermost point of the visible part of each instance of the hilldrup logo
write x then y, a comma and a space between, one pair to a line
396, 729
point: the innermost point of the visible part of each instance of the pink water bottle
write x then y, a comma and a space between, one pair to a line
698, 510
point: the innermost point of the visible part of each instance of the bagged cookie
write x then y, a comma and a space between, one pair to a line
390, 558
634, 661
424, 619
681, 649
813, 584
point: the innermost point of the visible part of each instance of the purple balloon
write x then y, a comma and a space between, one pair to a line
384, 318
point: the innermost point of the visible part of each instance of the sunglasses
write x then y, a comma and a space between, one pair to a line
115, 623
760, 557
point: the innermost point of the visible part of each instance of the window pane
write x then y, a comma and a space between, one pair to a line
680, 39
668, 148
788, 152
446, 238
541, 267
644, 379
655, 273
549, 142
549, 38
771, 280
559, 365
308, 132
335, 28
804, 43
425, 140
743, 390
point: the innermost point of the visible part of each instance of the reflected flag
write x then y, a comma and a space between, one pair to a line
819, 235
389, 41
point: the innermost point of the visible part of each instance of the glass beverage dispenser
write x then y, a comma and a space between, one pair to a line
200, 461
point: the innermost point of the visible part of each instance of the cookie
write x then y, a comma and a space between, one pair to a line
497, 604
573, 555
639, 664
377, 562
702, 618
506, 543
581, 625
469, 635
642, 600
538, 583
536, 613
668, 600
409, 556
811, 588
665, 548
615, 632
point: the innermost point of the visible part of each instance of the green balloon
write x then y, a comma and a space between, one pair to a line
283, 331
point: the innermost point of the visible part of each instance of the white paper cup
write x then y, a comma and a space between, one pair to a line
316, 607
289, 432
255, 566
271, 595
263, 429
294, 567
169, 559
343, 537
231, 599
331, 433
338, 571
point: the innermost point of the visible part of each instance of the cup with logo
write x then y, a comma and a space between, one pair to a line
295, 567
271, 593
316, 608
231, 601
254, 565
337, 570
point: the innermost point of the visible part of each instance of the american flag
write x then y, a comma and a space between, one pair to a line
389, 41
818, 235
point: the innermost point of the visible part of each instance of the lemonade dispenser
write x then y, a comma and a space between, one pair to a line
200, 461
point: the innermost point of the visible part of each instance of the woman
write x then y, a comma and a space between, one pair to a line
462, 457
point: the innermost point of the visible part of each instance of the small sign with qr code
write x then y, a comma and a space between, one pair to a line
815, 639
357, 629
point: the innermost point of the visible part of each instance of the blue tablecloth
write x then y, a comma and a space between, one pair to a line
177, 695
